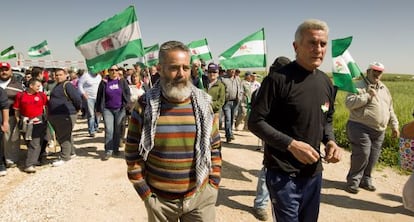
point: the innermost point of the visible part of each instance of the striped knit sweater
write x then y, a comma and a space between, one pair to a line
169, 170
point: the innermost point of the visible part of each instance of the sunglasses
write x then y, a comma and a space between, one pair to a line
113, 70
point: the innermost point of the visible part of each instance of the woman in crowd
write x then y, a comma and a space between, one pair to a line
113, 99
64, 104
136, 87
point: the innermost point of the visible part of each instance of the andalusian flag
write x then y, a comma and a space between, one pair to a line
39, 50
8, 53
248, 53
199, 50
344, 66
111, 41
151, 55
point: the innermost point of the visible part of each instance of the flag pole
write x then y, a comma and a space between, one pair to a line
265, 50
147, 67
362, 75
365, 79
19, 59
200, 77
53, 61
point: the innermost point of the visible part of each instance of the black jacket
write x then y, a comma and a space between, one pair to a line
293, 103
12, 89
4, 104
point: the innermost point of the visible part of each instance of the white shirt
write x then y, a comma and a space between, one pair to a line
255, 85
3, 84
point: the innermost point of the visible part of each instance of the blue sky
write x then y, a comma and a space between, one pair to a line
383, 30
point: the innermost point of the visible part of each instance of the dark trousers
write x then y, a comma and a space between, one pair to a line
294, 198
2, 157
63, 125
366, 146
34, 146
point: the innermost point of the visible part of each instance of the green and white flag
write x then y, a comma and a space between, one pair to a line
111, 41
200, 50
151, 55
39, 50
8, 53
248, 53
344, 67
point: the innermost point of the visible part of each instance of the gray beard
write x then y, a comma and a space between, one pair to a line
175, 92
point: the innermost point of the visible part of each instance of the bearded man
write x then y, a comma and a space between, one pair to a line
173, 144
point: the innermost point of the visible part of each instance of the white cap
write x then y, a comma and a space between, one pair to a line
376, 66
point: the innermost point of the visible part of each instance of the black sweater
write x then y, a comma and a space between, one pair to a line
293, 103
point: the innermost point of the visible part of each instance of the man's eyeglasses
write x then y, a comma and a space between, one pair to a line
113, 70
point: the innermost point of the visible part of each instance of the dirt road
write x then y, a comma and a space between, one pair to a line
88, 189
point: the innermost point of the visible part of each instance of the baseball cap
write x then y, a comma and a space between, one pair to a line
280, 62
376, 66
5, 64
212, 67
128, 66
247, 73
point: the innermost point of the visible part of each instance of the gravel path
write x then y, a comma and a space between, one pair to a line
88, 189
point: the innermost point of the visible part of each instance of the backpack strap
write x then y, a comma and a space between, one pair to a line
64, 91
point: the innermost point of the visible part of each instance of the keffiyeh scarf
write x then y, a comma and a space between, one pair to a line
203, 114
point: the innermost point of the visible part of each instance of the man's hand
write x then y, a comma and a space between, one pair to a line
5, 127
372, 92
333, 153
395, 133
303, 152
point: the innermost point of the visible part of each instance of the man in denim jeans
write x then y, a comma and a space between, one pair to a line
262, 194
293, 116
234, 93
88, 87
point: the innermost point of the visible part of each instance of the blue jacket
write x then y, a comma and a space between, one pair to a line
61, 103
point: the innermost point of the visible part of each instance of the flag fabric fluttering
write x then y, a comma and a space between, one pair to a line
344, 67
200, 74
200, 50
111, 41
151, 55
39, 50
8, 53
248, 53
